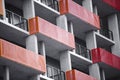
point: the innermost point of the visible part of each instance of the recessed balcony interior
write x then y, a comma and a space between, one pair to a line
44, 10
8, 32
78, 2
81, 55
106, 44
82, 65
14, 23
104, 9
14, 14
81, 48
53, 69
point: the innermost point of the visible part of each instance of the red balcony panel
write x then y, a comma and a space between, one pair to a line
114, 3
77, 75
116, 62
21, 56
101, 55
39, 25
70, 7
1, 7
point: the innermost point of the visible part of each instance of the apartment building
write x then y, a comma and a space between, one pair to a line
59, 40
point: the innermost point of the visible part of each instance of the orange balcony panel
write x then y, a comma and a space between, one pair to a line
70, 7
114, 3
1, 7
77, 75
39, 25
101, 55
21, 56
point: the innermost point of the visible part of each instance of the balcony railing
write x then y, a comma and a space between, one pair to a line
54, 4
83, 51
107, 33
17, 20
55, 73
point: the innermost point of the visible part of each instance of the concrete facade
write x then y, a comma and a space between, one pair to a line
21, 27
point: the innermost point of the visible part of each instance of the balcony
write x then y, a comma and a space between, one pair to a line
52, 35
107, 33
83, 51
101, 55
108, 61
83, 19
55, 73
114, 3
20, 60
77, 75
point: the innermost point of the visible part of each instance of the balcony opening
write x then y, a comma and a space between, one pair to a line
53, 69
103, 46
85, 70
78, 2
54, 4
106, 32
55, 73
105, 29
81, 48
14, 15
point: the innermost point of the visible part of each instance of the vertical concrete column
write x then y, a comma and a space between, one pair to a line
102, 73
6, 73
37, 77
28, 9
95, 10
65, 61
88, 5
41, 49
94, 71
32, 43
113, 26
62, 22
91, 40
70, 27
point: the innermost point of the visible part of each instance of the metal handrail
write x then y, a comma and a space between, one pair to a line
107, 33
17, 20
55, 73
83, 51
54, 4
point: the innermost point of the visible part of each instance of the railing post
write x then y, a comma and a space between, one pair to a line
12, 18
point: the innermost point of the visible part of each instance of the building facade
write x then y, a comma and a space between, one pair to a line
59, 40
